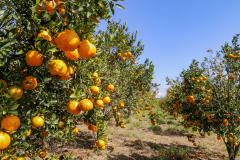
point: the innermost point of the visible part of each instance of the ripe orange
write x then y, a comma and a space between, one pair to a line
95, 75
94, 90
118, 114
119, 54
61, 9
92, 100
21, 158
123, 59
3, 85
5, 140
34, 58
73, 55
6, 157
93, 128
67, 40
110, 87
99, 103
70, 71
86, 105
115, 108
42, 154
230, 139
106, 99
10, 123
29, 83
219, 137
129, 54
73, 107
75, 130
15, 92
121, 105
86, 49
58, 67
125, 54
37, 121
235, 143
45, 34
49, 7
102, 148
225, 121
100, 143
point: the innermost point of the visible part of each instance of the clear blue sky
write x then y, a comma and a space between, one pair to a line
176, 31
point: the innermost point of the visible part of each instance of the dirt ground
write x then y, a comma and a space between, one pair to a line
148, 144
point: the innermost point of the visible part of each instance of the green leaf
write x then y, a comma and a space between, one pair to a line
15, 16
13, 112
58, 22
119, 6
14, 107
37, 1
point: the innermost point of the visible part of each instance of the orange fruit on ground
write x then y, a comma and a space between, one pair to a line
119, 54
73, 55
29, 83
86, 49
129, 54
42, 154
70, 71
15, 92
3, 85
75, 130
10, 123
28, 133
110, 87
123, 59
121, 105
99, 103
100, 143
94, 90
5, 140
45, 34
34, 58
48, 8
73, 107
37, 121
67, 40
86, 105
58, 67
125, 54
106, 99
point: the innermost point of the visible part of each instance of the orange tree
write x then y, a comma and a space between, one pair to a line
206, 97
56, 70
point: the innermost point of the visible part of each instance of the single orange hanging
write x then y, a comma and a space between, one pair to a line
86, 49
